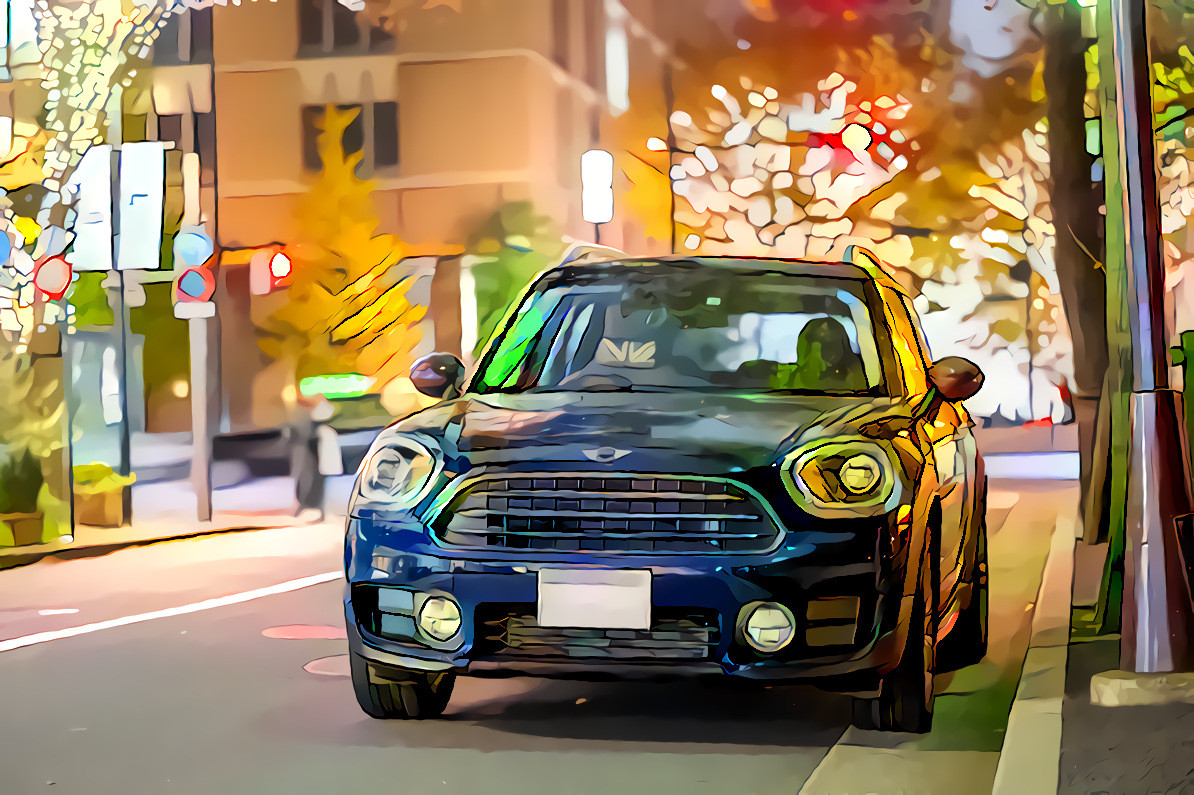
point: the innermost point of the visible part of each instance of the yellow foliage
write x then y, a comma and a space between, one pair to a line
347, 309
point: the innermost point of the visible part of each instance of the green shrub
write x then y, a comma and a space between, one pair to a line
20, 481
96, 478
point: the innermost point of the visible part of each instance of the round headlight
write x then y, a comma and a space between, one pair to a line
398, 473
769, 627
842, 478
860, 474
439, 618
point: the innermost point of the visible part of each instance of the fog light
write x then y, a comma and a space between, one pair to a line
439, 618
769, 627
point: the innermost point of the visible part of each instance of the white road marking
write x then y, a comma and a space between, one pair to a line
58, 612
194, 607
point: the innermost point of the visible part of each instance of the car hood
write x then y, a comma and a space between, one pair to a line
698, 433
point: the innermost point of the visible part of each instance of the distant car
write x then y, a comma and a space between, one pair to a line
706, 466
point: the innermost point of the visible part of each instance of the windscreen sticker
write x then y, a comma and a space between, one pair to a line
626, 353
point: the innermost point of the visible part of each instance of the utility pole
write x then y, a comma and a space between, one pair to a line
201, 434
1157, 612
125, 466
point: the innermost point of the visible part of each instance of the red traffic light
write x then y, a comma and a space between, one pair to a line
270, 269
52, 277
195, 284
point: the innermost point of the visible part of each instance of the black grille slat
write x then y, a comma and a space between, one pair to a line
576, 514
606, 514
519, 635
583, 494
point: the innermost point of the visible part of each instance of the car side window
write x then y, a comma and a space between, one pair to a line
906, 341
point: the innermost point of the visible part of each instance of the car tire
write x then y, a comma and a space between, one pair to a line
966, 643
425, 695
905, 701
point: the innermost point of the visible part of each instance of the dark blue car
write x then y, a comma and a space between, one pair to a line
679, 466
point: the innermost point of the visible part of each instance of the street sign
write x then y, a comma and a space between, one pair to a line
340, 385
196, 284
192, 247
142, 187
52, 277
184, 310
91, 183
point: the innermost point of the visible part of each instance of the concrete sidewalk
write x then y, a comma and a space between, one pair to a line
90, 541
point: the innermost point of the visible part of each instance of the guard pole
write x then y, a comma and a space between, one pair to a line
201, 436
1157, 614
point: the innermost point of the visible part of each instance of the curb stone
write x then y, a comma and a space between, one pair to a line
1030, 759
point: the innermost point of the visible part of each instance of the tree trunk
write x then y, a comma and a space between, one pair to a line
1076, 199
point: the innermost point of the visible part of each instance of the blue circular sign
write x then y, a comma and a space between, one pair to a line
192, 249
195, 285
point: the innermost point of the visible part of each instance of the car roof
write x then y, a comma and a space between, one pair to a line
864, 265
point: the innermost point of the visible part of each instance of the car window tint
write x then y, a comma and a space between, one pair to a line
668, 328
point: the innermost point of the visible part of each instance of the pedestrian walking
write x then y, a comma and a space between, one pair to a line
308, 438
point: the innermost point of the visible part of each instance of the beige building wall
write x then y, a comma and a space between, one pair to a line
496, 103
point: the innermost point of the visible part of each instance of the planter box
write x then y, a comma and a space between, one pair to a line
99, 509
25, 527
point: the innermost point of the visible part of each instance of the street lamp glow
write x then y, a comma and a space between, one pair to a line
279, 266
597, 186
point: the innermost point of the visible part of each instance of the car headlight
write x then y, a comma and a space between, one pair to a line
398, 473
768, 626
439, 618
836, 479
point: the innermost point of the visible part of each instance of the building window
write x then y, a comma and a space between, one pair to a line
327, 27
374, 133
170, 129
559, 31
385, 134
185, 38
595, 19
205, 147
617, 59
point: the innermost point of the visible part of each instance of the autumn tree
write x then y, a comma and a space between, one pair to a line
346, 308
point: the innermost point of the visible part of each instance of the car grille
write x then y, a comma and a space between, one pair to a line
605, 514
683, 636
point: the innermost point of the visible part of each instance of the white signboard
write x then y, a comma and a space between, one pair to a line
91, 183
142, 183
189, 310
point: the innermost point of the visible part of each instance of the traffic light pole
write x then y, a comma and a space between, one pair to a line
201, 436
1157, 612
126, 466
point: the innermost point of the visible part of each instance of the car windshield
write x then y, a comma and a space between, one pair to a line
665, 327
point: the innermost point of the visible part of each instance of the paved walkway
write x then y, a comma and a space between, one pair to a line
984, 712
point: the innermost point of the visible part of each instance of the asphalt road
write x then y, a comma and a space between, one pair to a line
248, 693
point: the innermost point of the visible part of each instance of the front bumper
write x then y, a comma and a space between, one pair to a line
843, 593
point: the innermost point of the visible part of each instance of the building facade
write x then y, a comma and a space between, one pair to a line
464, 108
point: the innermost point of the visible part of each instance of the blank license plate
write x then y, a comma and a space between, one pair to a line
595, 598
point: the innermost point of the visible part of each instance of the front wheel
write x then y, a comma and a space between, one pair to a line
418, 695
966, 642
905, 702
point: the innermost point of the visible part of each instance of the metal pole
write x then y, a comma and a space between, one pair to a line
669, 94
126, 496
200, 419
1157, 611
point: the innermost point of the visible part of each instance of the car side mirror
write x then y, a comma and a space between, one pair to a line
955, 378
438, 375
